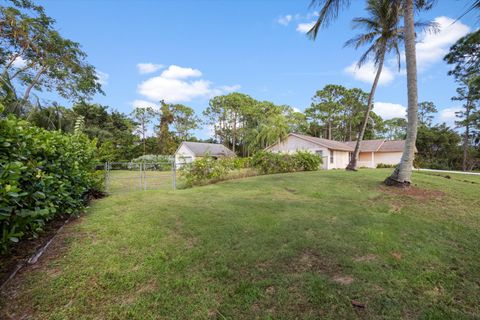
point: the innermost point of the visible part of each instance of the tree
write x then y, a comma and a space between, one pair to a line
384, 35
438, 148
425, 111
184, 121
329, 10
143, 117
325, 108
395, 129
228, 115
166, 142
469, 93
465, 57
37, 57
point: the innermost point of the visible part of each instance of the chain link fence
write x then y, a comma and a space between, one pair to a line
124, 176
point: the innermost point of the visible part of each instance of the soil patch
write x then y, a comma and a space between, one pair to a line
22, 251
415, 192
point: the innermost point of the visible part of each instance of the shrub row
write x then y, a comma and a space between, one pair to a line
42, 174
269, 162
208, 169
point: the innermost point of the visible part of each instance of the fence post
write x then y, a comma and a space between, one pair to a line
105, 168
145, 176
174, 172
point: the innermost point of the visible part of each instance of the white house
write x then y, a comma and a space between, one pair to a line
189, 151
336, 155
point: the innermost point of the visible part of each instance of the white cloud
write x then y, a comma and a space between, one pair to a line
432, 47
174, 85
388, 110
148, 67
305, 27
144, 104
367, 73
19, 62
447, 115
102, 77
235, 87
285, 20
176, 72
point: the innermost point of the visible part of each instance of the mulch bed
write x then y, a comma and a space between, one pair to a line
22, 251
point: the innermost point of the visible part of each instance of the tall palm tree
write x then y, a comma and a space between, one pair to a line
384, 35
328, 12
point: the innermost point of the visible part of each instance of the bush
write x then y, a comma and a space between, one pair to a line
43, 174
154, 162
207, 169
383, 165
269, 162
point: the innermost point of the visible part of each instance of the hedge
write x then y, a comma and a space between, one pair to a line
43, 174
269, 162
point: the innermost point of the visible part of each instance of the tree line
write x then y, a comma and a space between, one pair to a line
36, 58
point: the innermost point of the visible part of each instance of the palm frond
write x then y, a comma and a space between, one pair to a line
328, 12
360, 40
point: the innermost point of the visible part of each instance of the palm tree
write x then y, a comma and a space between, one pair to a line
328, 12
384, 35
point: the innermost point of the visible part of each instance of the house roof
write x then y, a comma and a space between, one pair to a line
330, 144
378, 145
200, 149
367, 145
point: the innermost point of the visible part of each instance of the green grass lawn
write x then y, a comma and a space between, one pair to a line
287, 246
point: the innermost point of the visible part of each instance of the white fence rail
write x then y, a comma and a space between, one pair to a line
450, 171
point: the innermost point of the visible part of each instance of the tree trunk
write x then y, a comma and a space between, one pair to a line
402, 175
466, 137
353, 161
30, 87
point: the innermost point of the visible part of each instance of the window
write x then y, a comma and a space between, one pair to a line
331, 156
319, 153
350, 154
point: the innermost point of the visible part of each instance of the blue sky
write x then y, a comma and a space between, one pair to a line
188, 51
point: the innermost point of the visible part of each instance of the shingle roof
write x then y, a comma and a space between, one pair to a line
200, 149
330, 144
392, 146
367, 145
379, 145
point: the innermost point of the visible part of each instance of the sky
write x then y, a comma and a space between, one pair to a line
189, 51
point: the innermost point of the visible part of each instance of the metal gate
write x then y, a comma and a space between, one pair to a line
134, 176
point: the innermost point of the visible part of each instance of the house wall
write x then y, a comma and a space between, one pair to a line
183, 155
293, 144
388, 158
365, 160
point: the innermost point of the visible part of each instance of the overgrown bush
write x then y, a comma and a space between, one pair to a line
269, 162
42, 174
206, 169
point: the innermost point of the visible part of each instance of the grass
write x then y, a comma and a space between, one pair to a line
287, 246
127, 181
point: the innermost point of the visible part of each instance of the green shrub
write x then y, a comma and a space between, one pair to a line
383, 165
155, 162
43, 174
206, 169
269, 162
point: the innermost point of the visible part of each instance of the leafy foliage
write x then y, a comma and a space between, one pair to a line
268, 162
207, 169
43, 174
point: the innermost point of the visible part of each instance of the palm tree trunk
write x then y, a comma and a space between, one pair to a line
402, 175
353, 161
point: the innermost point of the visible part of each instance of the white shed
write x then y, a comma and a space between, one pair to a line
189, 151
